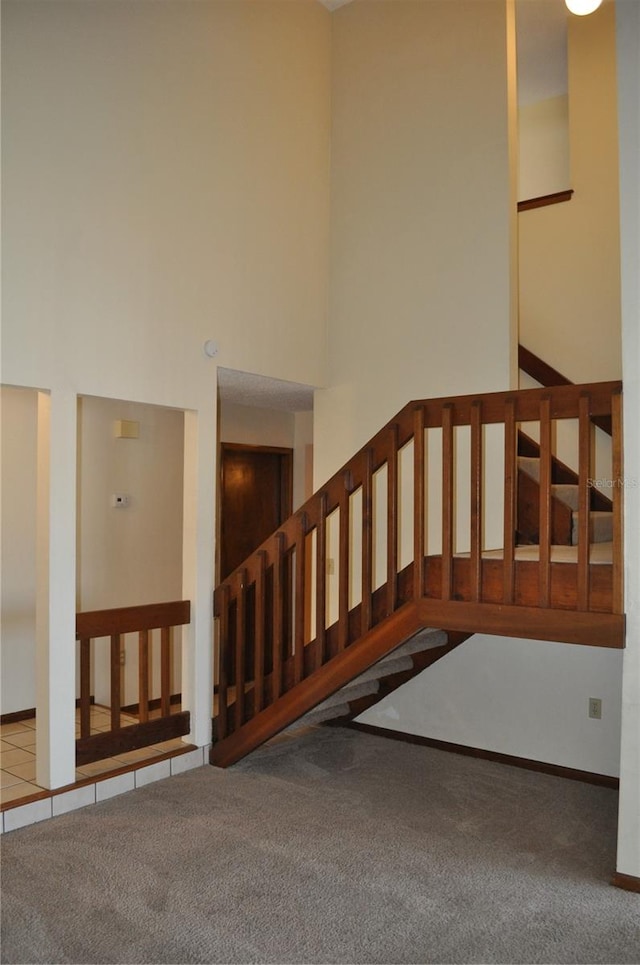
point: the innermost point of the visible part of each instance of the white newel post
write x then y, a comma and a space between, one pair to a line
56, 589
198, 568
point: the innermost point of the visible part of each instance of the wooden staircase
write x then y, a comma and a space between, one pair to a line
378, 575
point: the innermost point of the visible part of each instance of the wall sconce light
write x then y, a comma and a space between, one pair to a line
582, 7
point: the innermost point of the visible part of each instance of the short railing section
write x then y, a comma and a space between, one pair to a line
424, 515
157, 719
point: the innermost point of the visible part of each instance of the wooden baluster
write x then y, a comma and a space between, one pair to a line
321, 582
223, 658
143, 675
278, 626
617, 505
165, 671
447, 500
241, 621
116, 702
545, 502
476, 502
418, 502
258, 645
344, 576
367, 543
392, 521
85, 688
510, 497
584, 471
298, 646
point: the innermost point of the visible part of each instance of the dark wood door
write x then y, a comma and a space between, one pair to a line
256, 496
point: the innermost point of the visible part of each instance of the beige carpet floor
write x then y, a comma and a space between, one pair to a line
338, 847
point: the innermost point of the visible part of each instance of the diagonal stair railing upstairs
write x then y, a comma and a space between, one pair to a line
424, 515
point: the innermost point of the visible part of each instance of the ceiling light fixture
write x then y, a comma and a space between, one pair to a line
582, 7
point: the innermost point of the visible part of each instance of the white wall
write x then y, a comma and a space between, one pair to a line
629, 121
543, 138
18, 531
527, 698
420, 286
131, 556
569, 252
165, 181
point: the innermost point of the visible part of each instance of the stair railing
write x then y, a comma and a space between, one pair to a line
342, 563
103, 632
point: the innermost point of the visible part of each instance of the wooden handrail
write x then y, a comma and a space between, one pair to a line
546, 375
543, 200
265, 608
131, 619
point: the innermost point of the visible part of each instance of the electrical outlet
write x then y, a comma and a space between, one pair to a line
122, 658
331, 566
595, 708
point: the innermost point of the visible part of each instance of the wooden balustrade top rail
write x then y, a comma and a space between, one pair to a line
131, 619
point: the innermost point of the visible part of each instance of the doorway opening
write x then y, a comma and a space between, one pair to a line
265, 459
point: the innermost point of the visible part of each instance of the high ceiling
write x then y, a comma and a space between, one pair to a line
245, 388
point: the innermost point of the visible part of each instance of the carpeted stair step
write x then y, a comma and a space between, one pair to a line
334, 705
337, 705
600, 527
388, 665
530, 465
601, 521
425, 639
318, 716
567, 493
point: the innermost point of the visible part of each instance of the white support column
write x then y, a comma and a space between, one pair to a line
56, 589
628, 51
198, 568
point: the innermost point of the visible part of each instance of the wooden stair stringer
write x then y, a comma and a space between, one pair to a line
527, 622
381, 640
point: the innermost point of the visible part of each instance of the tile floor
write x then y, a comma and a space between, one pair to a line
18, 755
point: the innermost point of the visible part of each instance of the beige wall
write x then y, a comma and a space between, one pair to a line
18, 532
419, 302
133, 555
569, 253
165, 172
543, 140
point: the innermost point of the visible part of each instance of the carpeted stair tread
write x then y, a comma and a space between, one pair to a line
337, 705
425, 639
530, 465
600, 527
334, 706
318, 715
567, 493
390, 664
